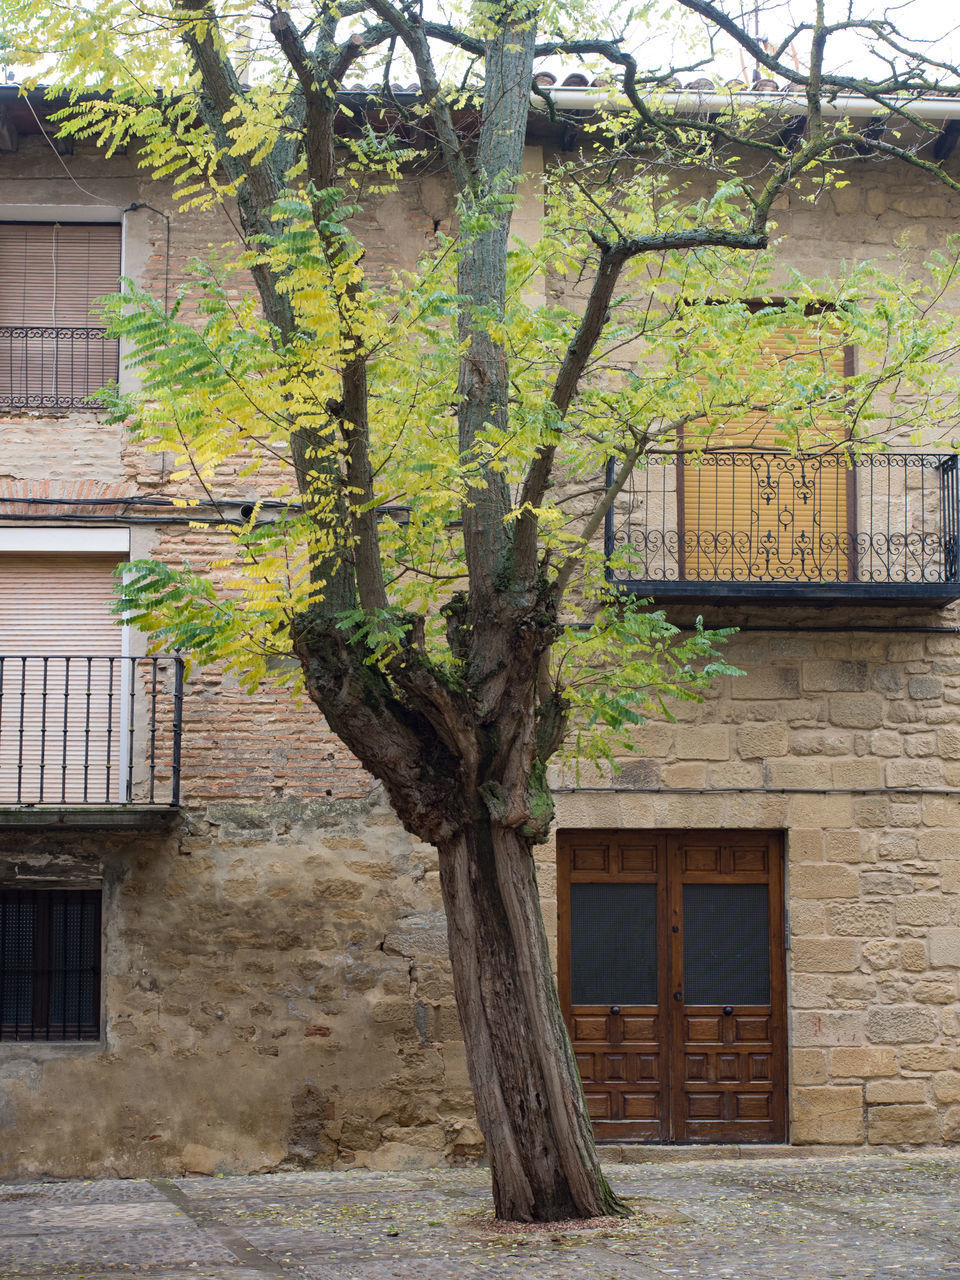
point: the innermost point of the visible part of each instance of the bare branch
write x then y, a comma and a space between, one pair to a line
416, 37
842, 84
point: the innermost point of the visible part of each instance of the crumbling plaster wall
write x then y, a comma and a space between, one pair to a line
275, 993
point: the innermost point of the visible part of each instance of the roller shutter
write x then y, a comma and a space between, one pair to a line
64, 688
53, 352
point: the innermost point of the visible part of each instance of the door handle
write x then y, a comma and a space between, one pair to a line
678, 996
614, 1008
728, 1009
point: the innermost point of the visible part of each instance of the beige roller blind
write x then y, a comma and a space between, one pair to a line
53, 273
766, 516
64, 688
53, 352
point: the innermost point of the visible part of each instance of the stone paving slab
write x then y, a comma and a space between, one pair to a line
34, 1219
842, 1217
121, 1191
59, 1254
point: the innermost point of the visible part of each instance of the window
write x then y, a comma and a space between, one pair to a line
754, 511
64, 688
54, 352
49, 964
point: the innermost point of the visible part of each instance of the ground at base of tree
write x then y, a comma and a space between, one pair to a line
783, 1218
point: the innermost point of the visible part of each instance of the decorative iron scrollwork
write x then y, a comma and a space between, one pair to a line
767, 516
55, 366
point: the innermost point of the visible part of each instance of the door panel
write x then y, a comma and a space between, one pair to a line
612, 984
672, 981
727, 1092
619, 1057
728, 1029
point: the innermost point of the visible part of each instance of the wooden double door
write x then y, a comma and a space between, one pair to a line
672, 981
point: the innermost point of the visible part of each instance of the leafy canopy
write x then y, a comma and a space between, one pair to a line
682, 359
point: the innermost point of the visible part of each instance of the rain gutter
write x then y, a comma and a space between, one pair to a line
687, 103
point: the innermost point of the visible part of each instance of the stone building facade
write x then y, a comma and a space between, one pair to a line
274, 988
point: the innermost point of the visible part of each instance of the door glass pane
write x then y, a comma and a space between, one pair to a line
613, 943
726, 944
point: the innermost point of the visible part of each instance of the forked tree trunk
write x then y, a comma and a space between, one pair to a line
530, 1103
529, 1099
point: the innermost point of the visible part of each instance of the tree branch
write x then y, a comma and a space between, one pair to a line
319, 85
818, 44
845, 84
414, 34
613, 258
258, 184
624, 472
483, 385
612, 261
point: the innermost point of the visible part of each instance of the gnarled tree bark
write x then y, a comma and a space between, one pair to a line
475, 790
530, 1104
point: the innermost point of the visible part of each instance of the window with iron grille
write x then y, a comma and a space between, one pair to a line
54, 348
49, 964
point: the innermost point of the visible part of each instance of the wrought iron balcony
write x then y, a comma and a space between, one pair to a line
55, 366
766, 524
90, 731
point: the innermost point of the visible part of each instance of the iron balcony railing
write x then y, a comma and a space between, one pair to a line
84, 730
769, 524
55, 366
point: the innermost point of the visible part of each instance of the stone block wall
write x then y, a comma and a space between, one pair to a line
846, 740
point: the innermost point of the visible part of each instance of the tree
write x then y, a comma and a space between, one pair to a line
432, 453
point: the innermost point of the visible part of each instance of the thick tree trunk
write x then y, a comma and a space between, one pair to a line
529, 1099
477, 792
530, 1102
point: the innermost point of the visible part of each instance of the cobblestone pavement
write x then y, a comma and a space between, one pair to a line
876, 1216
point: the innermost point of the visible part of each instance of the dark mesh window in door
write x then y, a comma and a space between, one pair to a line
726, 944
613, 944
49, 964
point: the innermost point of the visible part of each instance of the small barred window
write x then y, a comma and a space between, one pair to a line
49, 964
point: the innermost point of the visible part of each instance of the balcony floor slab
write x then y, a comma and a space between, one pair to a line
129, 817
934, 594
